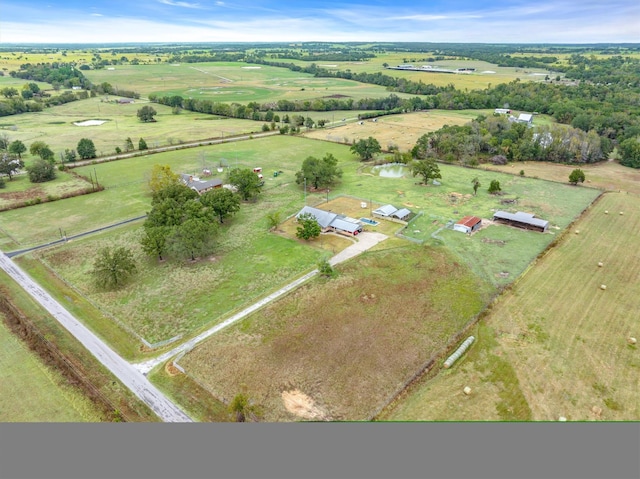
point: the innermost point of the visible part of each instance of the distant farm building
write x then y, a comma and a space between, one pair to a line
502, 111
521, 220
333, 222
198, 185
525, 118
124, 101
468, 224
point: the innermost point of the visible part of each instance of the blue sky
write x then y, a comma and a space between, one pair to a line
512, 21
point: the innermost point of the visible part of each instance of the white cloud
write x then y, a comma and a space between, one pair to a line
180, 4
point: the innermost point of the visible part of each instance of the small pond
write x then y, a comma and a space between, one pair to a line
391, 170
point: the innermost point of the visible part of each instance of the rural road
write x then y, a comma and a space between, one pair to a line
125, 372
133, 376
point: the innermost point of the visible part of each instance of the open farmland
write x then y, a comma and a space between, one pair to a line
339, 349
35, 392
401, 131
486, 74
608, 175
230, 82
55, 126
20, 190
168, 300
556, 344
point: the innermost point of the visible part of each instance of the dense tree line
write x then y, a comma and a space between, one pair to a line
63, 74
496, 136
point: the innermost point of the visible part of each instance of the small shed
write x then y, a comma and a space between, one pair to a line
401, 214
385, 211
468, 224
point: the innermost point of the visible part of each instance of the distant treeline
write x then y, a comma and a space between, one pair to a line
59, 75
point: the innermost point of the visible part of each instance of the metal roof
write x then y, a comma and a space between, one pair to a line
324, 218
521, 217
402, 213
343, 225
386, 210
469, 221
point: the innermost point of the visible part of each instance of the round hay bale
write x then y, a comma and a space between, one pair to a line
631, 340
603, 287
606, 212
467, 390
577, 232
621, 213
562, 419
600, 264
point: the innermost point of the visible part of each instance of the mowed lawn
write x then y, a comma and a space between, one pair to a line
343, 346
34, 392
556, 344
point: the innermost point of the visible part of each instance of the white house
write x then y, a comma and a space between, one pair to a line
525, 118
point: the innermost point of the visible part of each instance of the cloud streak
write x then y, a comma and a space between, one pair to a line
544, 21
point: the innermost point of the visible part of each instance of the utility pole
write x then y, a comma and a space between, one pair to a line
305, 192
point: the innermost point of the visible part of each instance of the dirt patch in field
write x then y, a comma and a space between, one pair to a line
171, 370
298, 403
29, 194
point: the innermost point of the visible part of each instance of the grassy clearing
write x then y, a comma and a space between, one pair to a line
34, 392
168, 300
607, 175
349, 343
230, 82
171, 299
556, 338
20, 189
128, 406
196, 401
55, 126
402, 131
486, 74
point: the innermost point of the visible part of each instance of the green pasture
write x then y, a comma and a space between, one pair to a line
170, 299
55, 126
20, 189
229, 82
556, 344
129, 406
349, 343
486, 74
34, 392
12, 60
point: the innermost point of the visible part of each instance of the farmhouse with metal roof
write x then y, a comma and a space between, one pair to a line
332, 221
198, 185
